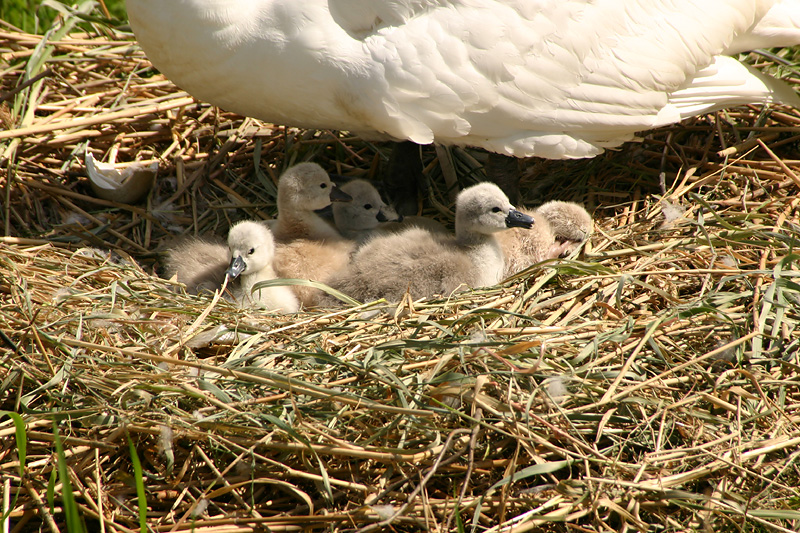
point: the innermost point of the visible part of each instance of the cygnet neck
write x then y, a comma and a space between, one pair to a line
302, 224
486, 254
468, 238
249, 279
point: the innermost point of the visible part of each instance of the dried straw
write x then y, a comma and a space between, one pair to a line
649, 383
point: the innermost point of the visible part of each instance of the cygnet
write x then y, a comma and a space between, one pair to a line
308, 247
368, 215
303, 189
560, 227
523, 248
313, 260
425, 263
359, 218
199, 263
252, 250
570, 221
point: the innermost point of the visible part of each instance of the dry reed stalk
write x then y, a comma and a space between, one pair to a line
649, 382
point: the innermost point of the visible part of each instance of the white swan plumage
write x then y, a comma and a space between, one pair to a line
552, 78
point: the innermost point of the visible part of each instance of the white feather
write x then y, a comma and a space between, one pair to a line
554, 78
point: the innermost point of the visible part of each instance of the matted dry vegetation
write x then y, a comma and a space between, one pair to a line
648, 384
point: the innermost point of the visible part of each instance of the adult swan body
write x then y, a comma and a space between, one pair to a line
551, 78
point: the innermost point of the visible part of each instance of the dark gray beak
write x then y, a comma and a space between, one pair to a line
381, 217
338, 195
236, 267
518, 219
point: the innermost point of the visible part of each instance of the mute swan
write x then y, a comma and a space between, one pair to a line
550, 78
303, 189
358, 218
252, 250
426, 263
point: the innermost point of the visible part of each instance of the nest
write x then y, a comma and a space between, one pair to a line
648, 383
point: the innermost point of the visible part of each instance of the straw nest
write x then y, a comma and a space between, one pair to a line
649, 383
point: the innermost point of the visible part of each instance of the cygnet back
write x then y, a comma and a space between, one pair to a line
414, 221
314, 260
252, 251
426, 263
198, 262
303, 189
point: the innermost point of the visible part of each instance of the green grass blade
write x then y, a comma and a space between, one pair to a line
21, 437
74, 523
137, 474
306, 283
535, 470
51, 490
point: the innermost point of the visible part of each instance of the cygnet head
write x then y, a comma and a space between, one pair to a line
485, 209
365, 212
570, 221
307, 187
252, 248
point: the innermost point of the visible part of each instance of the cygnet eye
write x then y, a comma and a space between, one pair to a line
496, 210
251, 251
323, 185
367, 206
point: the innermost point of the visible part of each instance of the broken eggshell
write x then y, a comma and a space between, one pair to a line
125, 185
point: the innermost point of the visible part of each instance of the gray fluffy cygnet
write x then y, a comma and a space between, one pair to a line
359, 218
426, 263
199, 263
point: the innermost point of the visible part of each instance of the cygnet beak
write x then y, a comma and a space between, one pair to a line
389, 214
518, 219
236, 267
338, 195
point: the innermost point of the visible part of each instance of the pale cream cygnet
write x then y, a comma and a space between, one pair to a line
523, 248
570, 221
560, 227
312, 260
303, 189
252, 250
307, 246
426, 263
